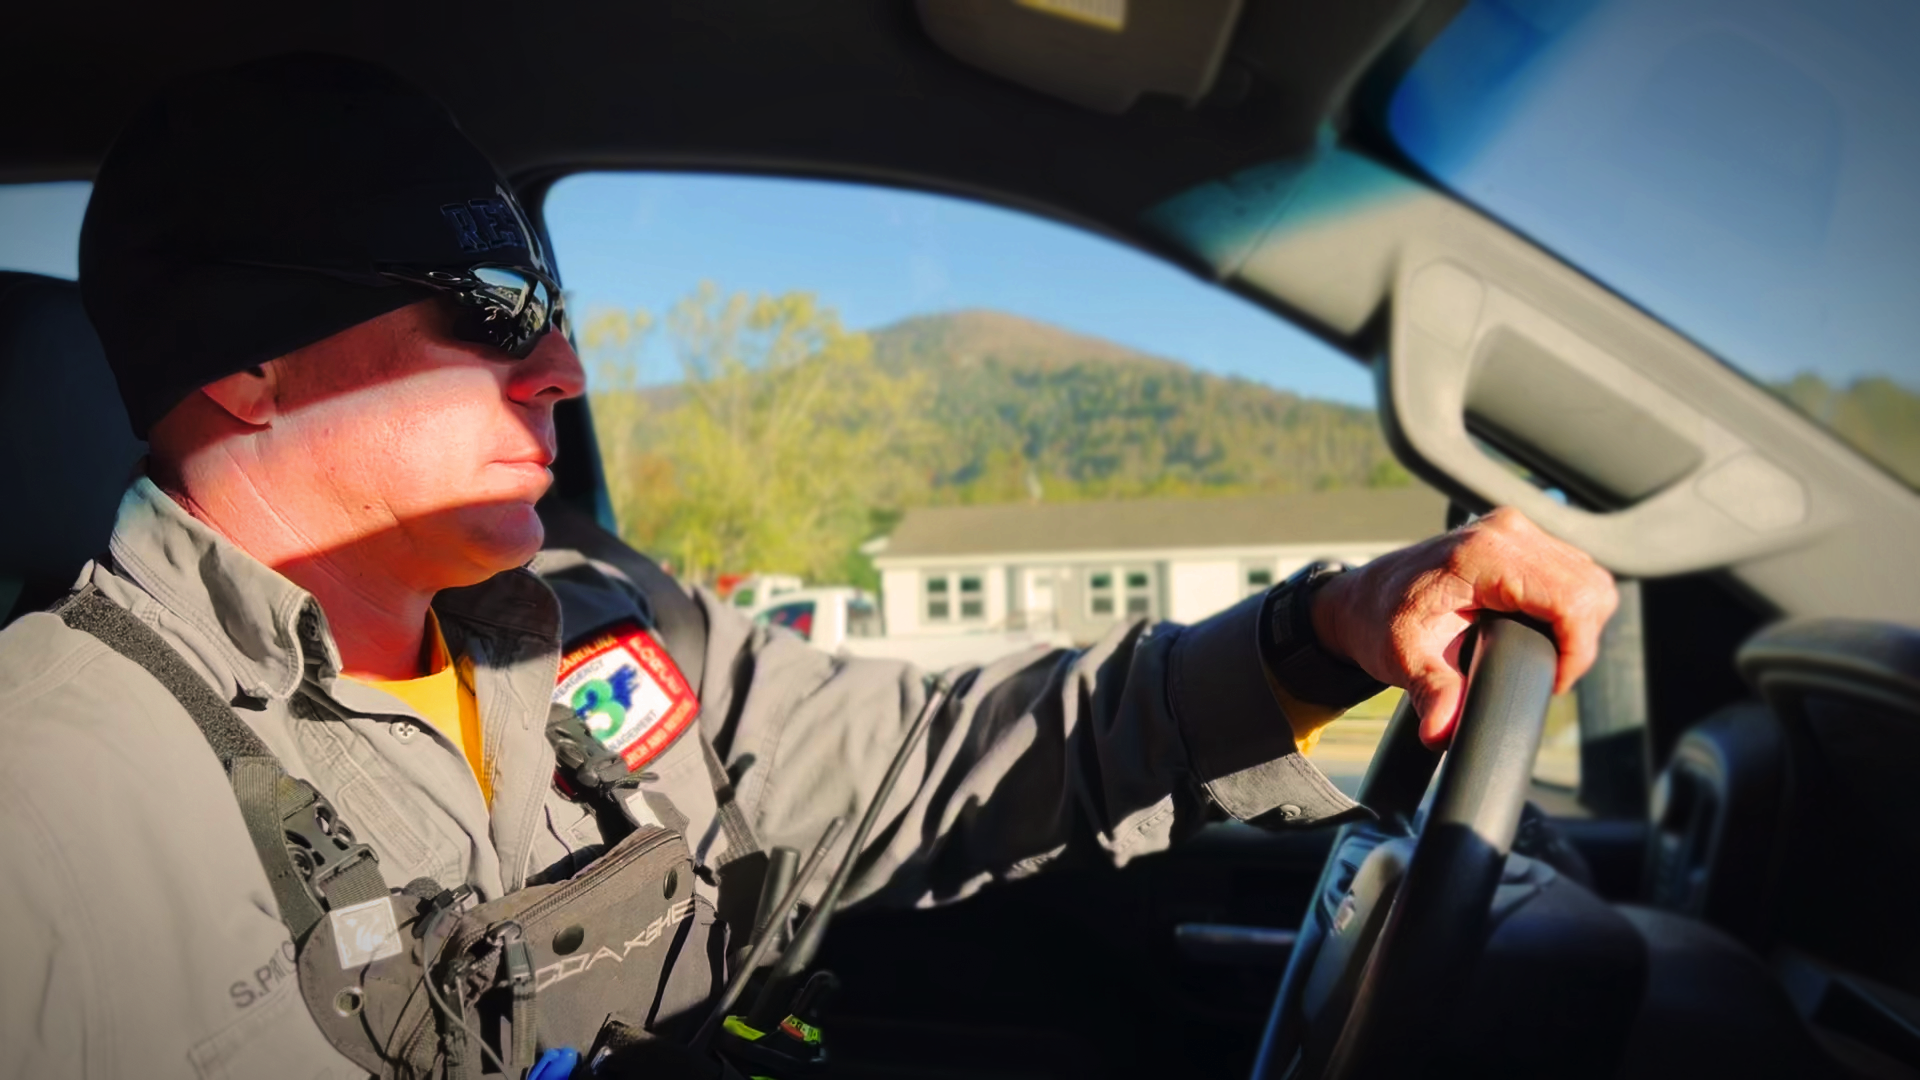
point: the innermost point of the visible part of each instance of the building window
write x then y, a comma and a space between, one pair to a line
1100, 592
1124, 591
1259, 579
973, 599
955, 596
1139, 593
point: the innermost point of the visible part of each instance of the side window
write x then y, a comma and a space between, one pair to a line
1006, 431
40, 227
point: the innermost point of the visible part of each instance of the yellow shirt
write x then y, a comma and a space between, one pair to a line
445, 697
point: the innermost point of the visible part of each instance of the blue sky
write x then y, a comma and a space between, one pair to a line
875, 254
878, 255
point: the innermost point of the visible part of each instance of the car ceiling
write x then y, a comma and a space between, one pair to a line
830, 87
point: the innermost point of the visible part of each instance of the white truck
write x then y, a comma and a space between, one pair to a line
845, 620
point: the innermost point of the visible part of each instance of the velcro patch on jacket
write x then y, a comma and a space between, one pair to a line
628, 692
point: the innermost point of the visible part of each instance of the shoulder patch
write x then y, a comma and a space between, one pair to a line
627, 691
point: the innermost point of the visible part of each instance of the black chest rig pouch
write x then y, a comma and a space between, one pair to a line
422, 982
593, 962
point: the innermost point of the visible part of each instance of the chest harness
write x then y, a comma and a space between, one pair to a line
622, 958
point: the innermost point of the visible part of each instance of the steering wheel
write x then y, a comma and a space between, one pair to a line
1398, 920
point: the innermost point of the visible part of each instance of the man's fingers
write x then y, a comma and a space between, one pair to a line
1438, 688
1438, 698
1413, 606
1579, 643
1577, 624
1549, 580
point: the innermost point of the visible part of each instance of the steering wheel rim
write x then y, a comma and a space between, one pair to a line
1436, 925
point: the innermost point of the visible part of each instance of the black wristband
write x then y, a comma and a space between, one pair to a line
1292, 651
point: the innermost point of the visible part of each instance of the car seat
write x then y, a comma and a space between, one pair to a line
66, 448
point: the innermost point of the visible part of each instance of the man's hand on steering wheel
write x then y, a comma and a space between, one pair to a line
1403, 617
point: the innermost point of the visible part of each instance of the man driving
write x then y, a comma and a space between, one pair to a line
341, 337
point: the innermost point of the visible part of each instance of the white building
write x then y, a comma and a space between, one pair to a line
1080, 567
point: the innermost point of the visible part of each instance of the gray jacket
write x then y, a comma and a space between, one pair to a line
141, 938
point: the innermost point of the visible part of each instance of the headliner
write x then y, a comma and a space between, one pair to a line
830, 87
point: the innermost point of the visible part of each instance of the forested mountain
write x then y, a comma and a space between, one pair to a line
964, 339
1020, 404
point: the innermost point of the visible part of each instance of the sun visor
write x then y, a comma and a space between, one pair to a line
1098, 54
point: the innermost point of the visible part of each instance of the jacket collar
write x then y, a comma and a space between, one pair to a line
261, 627
267, 632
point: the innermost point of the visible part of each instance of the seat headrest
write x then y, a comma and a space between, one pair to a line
66, 450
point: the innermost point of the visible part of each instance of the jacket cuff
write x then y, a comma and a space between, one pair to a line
1239, 742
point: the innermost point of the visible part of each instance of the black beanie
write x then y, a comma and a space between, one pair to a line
247, 212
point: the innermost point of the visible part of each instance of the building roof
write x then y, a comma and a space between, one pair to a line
1329, 517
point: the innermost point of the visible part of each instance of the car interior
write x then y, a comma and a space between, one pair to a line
1728, 894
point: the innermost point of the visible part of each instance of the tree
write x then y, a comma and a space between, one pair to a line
611, 341
772, 452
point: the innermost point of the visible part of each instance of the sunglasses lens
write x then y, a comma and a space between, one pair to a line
508, 310
484, 324
504, 283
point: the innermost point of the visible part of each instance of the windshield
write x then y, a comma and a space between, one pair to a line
1743, 169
